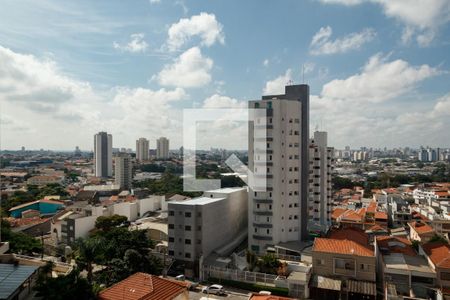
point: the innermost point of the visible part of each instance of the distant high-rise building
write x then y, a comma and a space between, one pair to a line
123, 170
280, 214
321, 164
77, 152
23, 149
423, 155
103, 154
162, 148
142, 147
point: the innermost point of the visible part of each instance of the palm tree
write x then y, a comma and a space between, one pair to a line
88, 251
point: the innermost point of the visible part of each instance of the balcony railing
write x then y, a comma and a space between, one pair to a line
262, 237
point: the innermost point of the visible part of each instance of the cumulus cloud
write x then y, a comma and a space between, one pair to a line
379, 80
190, 69
421, 18
321, 43
266, 62
204, 26
219, 101
135, 45
46, 105
276, 86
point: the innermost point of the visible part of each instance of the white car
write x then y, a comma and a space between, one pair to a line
214, 289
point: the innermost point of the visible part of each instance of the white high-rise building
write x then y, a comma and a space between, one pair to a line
142, 147
321, 166
162, 148
103, 154
123, 170
279, 216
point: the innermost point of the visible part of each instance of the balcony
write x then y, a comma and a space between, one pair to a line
262, 225
262, 213
263, 201
262, 237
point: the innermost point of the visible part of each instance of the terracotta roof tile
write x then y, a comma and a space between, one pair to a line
341, 246
381, 215
420, 228
142, 286
256, 296
392, 243
439, 253
337, 212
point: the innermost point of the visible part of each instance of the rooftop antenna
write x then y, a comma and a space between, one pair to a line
303, 73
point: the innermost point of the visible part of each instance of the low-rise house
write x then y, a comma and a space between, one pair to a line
45, 207
141, 286
420, 231
44, 180
438, 255
343, 265
403, 273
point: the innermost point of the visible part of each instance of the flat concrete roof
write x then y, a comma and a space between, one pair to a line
198, 201
228, 190
399, 261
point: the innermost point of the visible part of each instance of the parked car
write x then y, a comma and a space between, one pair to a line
214, 289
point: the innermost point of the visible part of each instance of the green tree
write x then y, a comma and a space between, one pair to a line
88, 252
20, 242
106, 223
69, 287
269, 263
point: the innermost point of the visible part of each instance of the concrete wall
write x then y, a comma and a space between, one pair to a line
127, 209
83, 226
152, 203
326, 268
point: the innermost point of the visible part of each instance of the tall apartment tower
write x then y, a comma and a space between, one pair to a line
142, 148
103, 154
321, 166
279, 216
162, 148
123, 170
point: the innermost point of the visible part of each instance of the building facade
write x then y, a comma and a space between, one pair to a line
123, 170
199, 226
142, 147
162, 148
280, 214
321, 165
103, 154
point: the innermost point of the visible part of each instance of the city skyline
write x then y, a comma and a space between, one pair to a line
378, 72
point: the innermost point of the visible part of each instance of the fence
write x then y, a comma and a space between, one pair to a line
243, 276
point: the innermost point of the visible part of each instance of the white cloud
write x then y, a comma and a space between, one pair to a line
266, 62
136, 44
308, 67
219, 101
321, 43
45, 106
154, 1
420, 17
190, 69
205, 26
343, 2
379, 80
276, 86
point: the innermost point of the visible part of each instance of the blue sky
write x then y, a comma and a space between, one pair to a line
378, 69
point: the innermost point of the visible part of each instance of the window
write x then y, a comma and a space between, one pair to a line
171, 213
445, 275
199, 242
187, 214
268, 231
199, 227
187, 255
187, 228
199, 214
171, 253
320, 262
364, 267
171, 226
171, 240
256, 230
187, 241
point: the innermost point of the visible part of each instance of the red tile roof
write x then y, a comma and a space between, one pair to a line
142, 286
372, 207
439, 253
392, 243
341, 246
381, 215
420, 227
337, 212
256, 296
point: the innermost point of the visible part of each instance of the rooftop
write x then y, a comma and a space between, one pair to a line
12, 277
142, 286
420, 228
439, 253
199, 201
341, 247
